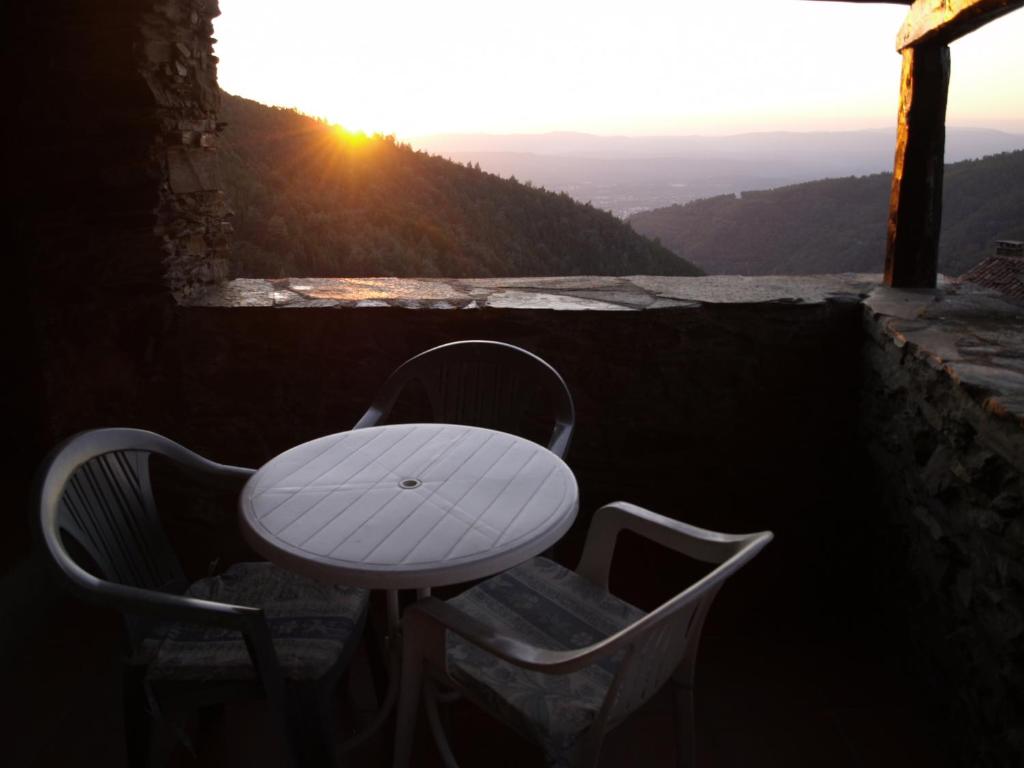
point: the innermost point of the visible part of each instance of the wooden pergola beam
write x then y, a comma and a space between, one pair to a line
890, 2
943, 21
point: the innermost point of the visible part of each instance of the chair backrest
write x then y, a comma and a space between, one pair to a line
481, 383
664, 643
95, 494
97, 521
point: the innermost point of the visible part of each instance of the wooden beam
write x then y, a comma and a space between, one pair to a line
915, 203
943, 21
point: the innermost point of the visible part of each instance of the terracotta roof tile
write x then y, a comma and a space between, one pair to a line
1002, 273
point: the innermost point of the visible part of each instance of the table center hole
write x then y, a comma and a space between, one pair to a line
410, 483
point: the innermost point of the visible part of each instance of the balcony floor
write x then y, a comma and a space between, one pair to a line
821, 694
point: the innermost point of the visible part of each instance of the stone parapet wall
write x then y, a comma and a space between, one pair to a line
570, 293
712, 411
709, 400
942, 425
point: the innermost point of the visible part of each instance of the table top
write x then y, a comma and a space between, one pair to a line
408, 505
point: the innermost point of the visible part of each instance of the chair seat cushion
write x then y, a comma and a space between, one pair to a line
310, 624
548, 606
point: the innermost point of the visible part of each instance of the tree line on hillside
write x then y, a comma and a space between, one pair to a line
312, 200
839, 225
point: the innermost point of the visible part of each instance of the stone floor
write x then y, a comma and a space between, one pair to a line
827, 692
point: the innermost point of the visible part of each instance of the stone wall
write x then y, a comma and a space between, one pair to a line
110, 197
726, 404
713, 412
943, 430
716, 413
177, 63
113, 161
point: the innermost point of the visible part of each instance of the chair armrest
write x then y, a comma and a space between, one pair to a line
225, 475
560, 437
210, 472
374, 415
165, 605
697, 543
247, 620
426, 621
95, 442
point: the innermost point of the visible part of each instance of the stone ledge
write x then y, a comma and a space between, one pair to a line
974, 335
605, 294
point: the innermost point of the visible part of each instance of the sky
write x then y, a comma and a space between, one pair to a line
646, 67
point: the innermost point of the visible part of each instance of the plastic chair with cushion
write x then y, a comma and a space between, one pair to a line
553, 654
254, 629
481, 384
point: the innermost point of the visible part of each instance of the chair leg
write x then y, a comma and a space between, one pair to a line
310, 724
325, 724
377, 656
560, 761
685, 735
588, 754
138, 723
438, 727
444, 715
408, 705
210, 726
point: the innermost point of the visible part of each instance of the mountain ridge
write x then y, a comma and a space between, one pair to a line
628, 175
311, 200
464, 142
839, 224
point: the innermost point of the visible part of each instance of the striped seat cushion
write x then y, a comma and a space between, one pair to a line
547, 606
310, 624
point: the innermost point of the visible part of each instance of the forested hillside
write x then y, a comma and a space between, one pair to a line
310, 200
839, 225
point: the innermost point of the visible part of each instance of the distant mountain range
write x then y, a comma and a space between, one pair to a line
309, 200
629, 174
839, 225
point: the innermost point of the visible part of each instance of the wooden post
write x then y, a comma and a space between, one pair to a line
915, 204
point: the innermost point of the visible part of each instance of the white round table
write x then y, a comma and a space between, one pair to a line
408, 506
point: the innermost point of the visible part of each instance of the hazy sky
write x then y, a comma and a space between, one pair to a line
413, 67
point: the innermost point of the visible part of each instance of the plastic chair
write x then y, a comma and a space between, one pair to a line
554, 655
255, 629
480, 383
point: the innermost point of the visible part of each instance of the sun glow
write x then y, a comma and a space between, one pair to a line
356, 139
649, 67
